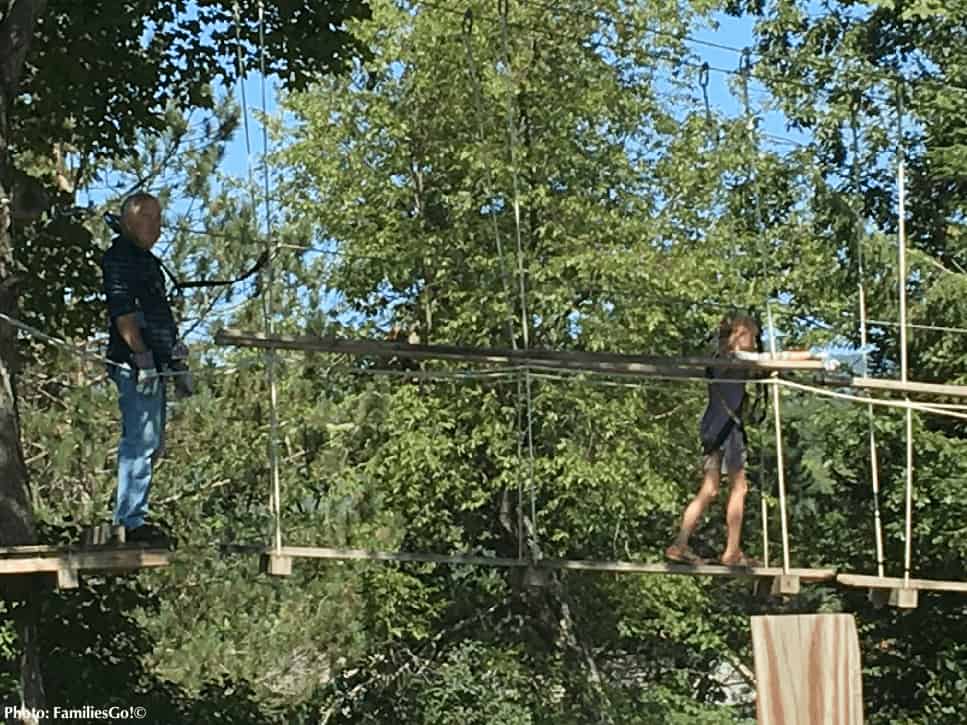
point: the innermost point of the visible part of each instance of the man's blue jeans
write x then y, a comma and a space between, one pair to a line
142, 439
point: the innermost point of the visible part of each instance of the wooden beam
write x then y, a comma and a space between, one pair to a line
876, 582
55, 560
897, 386
807, 670
274, 564
904, 598
68, 579
617, 567
602, 362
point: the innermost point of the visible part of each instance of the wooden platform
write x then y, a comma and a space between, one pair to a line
67, 563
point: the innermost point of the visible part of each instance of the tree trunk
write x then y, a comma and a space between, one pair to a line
16, 515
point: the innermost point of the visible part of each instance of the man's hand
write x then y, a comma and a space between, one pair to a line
146, 374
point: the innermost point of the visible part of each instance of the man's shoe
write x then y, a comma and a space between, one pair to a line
150, 535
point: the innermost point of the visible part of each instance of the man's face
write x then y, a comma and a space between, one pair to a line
143, 223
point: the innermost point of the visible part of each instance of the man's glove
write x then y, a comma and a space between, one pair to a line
146, 374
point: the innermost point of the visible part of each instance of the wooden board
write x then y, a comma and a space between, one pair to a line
878, 582
911, 386
603, 362
808, 670
628, 567
67, 564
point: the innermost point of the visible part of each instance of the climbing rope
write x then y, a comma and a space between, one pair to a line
745, 72
711, 129
503, 11
275, 502
467, 36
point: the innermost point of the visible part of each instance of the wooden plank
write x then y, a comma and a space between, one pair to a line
808, 670
618, 567
314, 552
876, 582
562, 359
897, 386
112, 559
8, 552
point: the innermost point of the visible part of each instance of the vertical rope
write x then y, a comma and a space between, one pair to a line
861, 274
488, 171
503, 9
904, 362
505, 280
710, 128
745, 70
267, 302
241, 84
268, 305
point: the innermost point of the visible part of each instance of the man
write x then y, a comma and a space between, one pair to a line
142, 338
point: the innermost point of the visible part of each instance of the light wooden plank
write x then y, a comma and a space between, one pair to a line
808, 670
113, 559
897, 386
876, 582
564, 359
314, 552
7, 552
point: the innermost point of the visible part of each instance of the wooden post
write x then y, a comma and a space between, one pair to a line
786, 584
68, 578
276, 565
904, 598
807, 670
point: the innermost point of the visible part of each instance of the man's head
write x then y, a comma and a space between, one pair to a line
739, 332
141, 219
